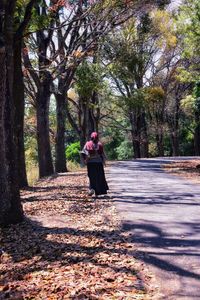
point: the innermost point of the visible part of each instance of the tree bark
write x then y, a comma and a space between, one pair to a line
43, 140
19, 103
159, 142
144, 145
60, 163
4, 188
134, 120
174, 142
11, 208
94, 113
83, 120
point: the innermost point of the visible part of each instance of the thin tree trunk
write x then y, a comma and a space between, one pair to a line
84, 121
134, 120
197, 135
60, 163
94, 113
19, 103
144, 146
43, 139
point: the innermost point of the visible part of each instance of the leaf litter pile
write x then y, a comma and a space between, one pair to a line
70, 246
189, 169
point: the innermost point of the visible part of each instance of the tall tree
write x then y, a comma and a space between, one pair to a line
42, 79
18, 87
10, 206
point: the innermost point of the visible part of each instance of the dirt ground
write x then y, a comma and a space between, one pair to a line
70, 246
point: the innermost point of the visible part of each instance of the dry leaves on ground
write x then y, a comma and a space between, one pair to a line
69, 247
189, 169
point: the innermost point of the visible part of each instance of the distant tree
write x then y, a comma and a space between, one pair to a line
130, 53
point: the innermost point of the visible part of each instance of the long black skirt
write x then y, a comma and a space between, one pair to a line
97, 178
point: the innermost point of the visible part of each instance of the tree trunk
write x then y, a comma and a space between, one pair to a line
43, 139
4, 188
174, 126
136, 147
159, 142
144, 145
94, 113
60, 163
18, 97
174, 142
197, 135
134, 120
84, 121
11, 208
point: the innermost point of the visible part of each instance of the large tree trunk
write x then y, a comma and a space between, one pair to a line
11, 208
18, 97
43, 139
60, 163
4, 188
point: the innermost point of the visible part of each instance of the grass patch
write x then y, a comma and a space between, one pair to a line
32, 174
73, 166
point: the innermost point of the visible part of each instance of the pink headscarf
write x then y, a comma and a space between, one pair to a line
94, 136
90, 145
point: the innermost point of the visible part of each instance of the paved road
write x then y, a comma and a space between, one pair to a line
162, 213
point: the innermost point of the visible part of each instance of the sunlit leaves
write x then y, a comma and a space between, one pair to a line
188, 105
164, 25
188, 25
154, 94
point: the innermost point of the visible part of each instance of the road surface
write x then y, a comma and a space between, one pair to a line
162, 213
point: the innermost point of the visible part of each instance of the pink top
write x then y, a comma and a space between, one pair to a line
94, 151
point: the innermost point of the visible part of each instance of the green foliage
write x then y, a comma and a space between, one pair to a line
188, 24
191, 103
186, 141
73, 152
124, 150
111, 146
188, 105
89, 79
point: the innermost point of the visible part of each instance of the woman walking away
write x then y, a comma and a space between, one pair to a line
94, 156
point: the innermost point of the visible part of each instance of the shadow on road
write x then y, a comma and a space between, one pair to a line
153, 237
160, 213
